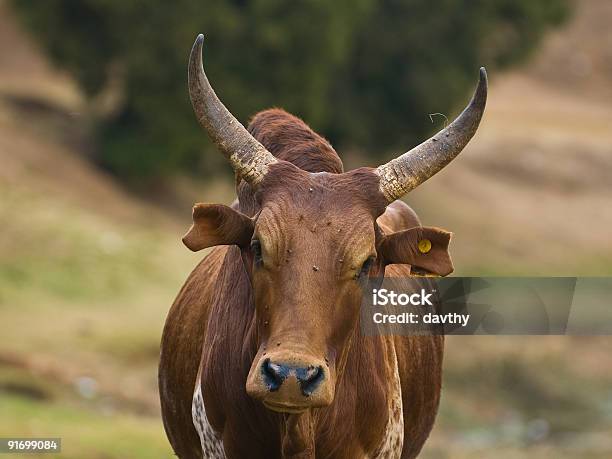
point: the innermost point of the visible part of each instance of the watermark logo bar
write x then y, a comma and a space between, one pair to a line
488, 306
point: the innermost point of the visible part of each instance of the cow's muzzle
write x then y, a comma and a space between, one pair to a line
290, 383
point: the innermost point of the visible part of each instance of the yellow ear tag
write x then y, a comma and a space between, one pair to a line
424, 245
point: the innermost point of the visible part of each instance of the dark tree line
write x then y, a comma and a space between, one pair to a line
365, 73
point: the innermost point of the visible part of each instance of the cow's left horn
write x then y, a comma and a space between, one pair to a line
248, 157
408, 171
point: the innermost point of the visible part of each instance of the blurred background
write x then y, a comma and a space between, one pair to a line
101, 160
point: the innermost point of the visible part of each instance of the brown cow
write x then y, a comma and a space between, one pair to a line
262, 355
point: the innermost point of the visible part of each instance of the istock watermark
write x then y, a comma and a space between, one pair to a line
383, 297
488, 305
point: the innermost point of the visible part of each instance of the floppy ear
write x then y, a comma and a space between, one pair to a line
216, 224
422, 247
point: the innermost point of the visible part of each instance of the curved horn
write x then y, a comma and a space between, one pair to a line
405, 173
248, 157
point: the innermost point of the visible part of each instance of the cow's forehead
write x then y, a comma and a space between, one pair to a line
320, 217
323, 194
319, 201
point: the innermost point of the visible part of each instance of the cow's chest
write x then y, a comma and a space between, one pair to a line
390, 447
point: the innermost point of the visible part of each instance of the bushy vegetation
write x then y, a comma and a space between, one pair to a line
364, 72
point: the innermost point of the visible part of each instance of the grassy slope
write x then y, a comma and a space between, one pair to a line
87, 272
83, 298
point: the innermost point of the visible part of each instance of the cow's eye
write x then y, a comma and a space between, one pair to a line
365, 268
256, 250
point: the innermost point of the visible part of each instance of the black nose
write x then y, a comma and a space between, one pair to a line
309, 378
275, 373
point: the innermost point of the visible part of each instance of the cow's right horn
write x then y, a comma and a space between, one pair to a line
248, 157
409, 170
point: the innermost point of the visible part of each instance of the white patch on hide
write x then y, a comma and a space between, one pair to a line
393, 441
212, 446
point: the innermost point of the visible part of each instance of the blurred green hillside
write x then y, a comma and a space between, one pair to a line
89, 269
361, 72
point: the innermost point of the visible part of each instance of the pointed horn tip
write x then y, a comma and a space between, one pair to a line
480, 95
483, 80
197, 45
195, 57
483, 74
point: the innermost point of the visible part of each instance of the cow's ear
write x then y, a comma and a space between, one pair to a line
216, 224
424, 248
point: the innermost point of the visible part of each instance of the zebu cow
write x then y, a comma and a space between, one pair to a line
262, 355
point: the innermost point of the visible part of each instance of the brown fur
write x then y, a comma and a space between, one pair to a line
323, 221
288, 138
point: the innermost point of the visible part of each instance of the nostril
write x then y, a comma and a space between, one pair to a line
273, 374
310, 378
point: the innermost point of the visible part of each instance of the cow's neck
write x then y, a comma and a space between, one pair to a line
297, 436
